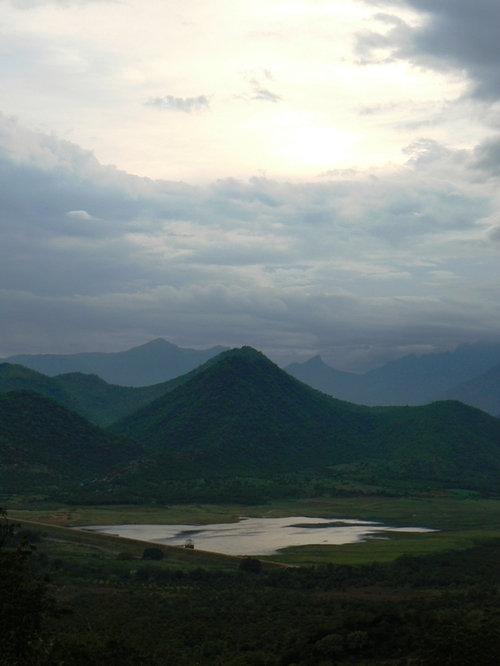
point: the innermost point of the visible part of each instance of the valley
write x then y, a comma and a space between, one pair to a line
239, 437
362, 603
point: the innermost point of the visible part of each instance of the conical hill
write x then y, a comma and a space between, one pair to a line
242, 415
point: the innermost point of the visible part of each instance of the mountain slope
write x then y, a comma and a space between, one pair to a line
342, 385
242, 415
444, 441
152, 363
88, 395
482, 392
44, 444
239, 415
408, 381
19, 378
103, 403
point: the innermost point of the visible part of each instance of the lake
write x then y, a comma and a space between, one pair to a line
257, 536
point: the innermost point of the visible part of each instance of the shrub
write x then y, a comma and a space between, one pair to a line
152, 554
250, 565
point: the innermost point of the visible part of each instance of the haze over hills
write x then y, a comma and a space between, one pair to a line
410, 380
482, 392
152, 363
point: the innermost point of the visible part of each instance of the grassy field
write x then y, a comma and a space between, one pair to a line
460, 523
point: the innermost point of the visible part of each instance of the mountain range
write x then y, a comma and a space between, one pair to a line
239, 415
410, 380
152, 363
482, 392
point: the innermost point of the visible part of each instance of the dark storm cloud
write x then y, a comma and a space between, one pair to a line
184, 104
458, 34
94, 258
487, 156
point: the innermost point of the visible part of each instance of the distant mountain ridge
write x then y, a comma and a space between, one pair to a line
152, 363
482, 392
410, 380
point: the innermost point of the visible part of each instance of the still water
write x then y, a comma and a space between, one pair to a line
257, 536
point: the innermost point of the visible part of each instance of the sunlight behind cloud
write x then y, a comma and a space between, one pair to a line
319, 147
87, 71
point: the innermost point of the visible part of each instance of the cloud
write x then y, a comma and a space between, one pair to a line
487, 156
452, 34
259, 92
493, 233
357, 267
265, 95
79, 215
184, 104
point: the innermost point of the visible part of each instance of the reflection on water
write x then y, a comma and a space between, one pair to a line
256, 536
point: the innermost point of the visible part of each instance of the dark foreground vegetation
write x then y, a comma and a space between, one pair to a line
68, 605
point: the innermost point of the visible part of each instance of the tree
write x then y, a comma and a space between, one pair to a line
152, 554
24, 601
250, 565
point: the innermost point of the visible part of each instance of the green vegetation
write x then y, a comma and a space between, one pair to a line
24, 600
244, 417
460, 522
109, 607
88, 395
240, 431
44, 446
237, 429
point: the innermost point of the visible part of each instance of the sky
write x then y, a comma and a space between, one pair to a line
300, 176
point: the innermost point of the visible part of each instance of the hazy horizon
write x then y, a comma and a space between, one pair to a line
279, 359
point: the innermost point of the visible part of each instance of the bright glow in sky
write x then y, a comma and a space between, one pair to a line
280, 85
299, 176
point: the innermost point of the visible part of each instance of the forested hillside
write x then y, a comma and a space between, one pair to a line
242, 415
88, 395
237, 417
45, 447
